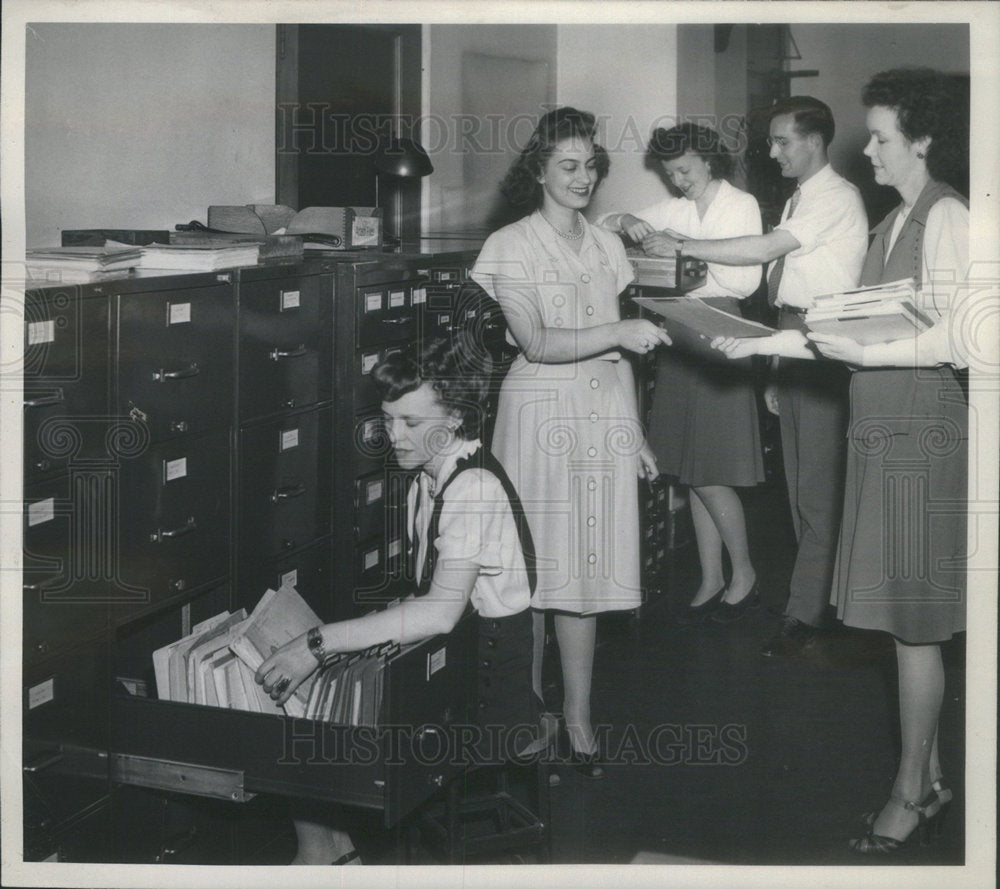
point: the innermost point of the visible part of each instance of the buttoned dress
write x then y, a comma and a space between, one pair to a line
567, 434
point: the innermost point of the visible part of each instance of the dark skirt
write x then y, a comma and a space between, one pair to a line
901, 560
507, 714
703, 425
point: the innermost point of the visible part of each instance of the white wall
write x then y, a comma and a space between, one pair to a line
447, 194
627, 75
145, 125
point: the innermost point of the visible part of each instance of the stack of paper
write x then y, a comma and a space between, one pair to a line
868, 315
80, 265
653, 271
173, 258
215, 664
348, 690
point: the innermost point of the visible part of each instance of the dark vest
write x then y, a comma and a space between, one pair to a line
481, 459
905, 260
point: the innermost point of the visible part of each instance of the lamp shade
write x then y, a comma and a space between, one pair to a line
402, 157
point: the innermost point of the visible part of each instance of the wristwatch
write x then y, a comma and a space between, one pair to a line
314, 639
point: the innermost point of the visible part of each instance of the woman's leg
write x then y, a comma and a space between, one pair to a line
577, 638
921, 692
321, 844
709, 550
725, 508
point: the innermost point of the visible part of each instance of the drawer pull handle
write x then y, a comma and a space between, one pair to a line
53, 583
278, 354
54, 397
397, 320
157, 536
44, 762
287, 492
161, 375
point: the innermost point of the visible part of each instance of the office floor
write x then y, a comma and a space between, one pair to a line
718, 755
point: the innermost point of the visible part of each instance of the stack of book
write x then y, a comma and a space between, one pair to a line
653, 271
215, 664
869, 315
80, 265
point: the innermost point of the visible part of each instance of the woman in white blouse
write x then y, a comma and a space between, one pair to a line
901, 563
703, 424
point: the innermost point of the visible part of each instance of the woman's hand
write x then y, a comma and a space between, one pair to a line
663, 243
640, 336
841, 348
787, 343
634, 227
647, 463
286, 669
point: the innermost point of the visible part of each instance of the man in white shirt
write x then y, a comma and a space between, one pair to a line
818, 247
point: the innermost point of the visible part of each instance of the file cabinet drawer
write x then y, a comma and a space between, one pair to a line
175, 516
385, 314
428, 692
284, 498
174, 368
66, 378
284, 346
308, 570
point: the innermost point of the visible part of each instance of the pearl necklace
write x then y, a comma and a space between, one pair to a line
573, 236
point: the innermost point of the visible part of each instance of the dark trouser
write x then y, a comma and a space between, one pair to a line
812, 400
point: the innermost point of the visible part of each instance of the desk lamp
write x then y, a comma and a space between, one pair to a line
404, 158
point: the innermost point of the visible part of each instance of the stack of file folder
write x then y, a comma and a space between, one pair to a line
869, 315
80, 265
159, 259
348, 690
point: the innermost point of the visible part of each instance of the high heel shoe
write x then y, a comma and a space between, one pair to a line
728, 613
587, 764
944, 795
695, 614
877, 844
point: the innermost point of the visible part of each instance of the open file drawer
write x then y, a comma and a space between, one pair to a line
233, 754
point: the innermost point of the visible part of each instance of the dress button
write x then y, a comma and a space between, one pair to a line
595, 384
592, 558
585, 278
558, 322
591, 452
591, 484
593, 417
591, 521
491, 643
487, 664
590, 310
558, 300
482, 704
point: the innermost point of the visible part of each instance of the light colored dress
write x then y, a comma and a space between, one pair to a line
566, 433
703, 423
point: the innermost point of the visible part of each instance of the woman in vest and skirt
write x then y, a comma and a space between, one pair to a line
901, 564
471, 548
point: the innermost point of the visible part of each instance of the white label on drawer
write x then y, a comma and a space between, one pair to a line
41, 511
175, 469
373, 302
397, 299
289, 299
419, 296
41, 693
289, 439
373, 492
178, 313
41, 332
370, 429
470, 314
290, 578
368, 361
436, 661
395, 548
371, 559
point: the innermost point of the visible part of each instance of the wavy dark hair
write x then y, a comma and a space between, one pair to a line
521, 186
930, 104
670, 144
457, 371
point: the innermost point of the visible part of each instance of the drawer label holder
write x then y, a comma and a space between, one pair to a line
179, 777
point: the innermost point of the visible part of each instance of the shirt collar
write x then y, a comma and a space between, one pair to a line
818, 180
463, 449
553, 244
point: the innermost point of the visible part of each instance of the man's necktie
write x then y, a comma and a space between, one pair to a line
778, 266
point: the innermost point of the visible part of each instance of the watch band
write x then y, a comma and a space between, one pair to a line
314, 639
